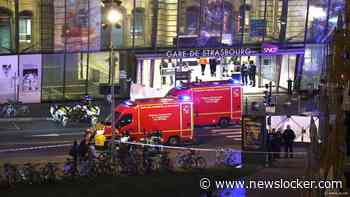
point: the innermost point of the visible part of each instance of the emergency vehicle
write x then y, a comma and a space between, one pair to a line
214, 103
172, 117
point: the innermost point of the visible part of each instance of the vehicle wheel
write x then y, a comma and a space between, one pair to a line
224, 122
174, 141
201, 163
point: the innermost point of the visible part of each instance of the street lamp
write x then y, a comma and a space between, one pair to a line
114, 16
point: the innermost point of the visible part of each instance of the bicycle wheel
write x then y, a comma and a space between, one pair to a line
201, 163
155, 165
189, 162
180, 162
115, 168
128, 165
165, 164
102, 157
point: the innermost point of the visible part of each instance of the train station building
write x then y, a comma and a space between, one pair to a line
54, 50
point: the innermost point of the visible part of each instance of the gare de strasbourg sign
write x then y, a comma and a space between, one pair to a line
267, 49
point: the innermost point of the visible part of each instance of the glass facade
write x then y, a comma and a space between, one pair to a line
73, 37
80, 25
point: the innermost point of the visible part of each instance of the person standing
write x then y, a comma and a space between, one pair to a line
252, 73
162, 67
288, 137
171, 65
213, 62
74, 152
272, 143
203, 62
244, 74
277, 136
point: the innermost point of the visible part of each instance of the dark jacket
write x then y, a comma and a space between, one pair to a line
252, 68
288, 136
74, 151
244, 69
83, 148
276, 140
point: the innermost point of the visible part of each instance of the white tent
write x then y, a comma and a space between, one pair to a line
138, 91
297, 123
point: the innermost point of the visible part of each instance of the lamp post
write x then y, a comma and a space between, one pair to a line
113, 16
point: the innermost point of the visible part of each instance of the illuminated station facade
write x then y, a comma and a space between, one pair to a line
52, 50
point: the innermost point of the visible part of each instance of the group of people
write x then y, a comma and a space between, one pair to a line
277, 139
248, 71
85, 149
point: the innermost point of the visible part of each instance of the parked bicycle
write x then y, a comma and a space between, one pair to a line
190, 160
10, 173
49, 173
227, 157
13, 109
28, 174
161, 162
109, 163
88, 168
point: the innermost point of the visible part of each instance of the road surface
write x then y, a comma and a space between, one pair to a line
17, 139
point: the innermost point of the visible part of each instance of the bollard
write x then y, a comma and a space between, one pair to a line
299, 104
246, 105
276, 97
267, 160
290, 82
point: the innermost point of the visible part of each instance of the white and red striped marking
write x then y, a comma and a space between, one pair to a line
232, 133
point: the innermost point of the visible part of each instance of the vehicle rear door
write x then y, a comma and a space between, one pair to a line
186, 119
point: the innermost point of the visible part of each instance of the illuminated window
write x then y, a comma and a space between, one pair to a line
139, 14
5, 30
25, 27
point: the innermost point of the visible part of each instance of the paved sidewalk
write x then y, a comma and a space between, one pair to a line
284, 168
41, 111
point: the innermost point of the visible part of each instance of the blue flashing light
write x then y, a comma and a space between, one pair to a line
235, 81
185, 98
87, 98
128, 102
234, 192
236, 78
179, 87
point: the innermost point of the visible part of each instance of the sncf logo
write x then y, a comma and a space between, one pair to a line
269, 48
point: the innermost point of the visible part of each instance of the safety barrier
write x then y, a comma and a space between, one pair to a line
33, 148
150, 145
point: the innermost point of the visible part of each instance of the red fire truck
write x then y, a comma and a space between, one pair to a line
170, 116
214, 103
